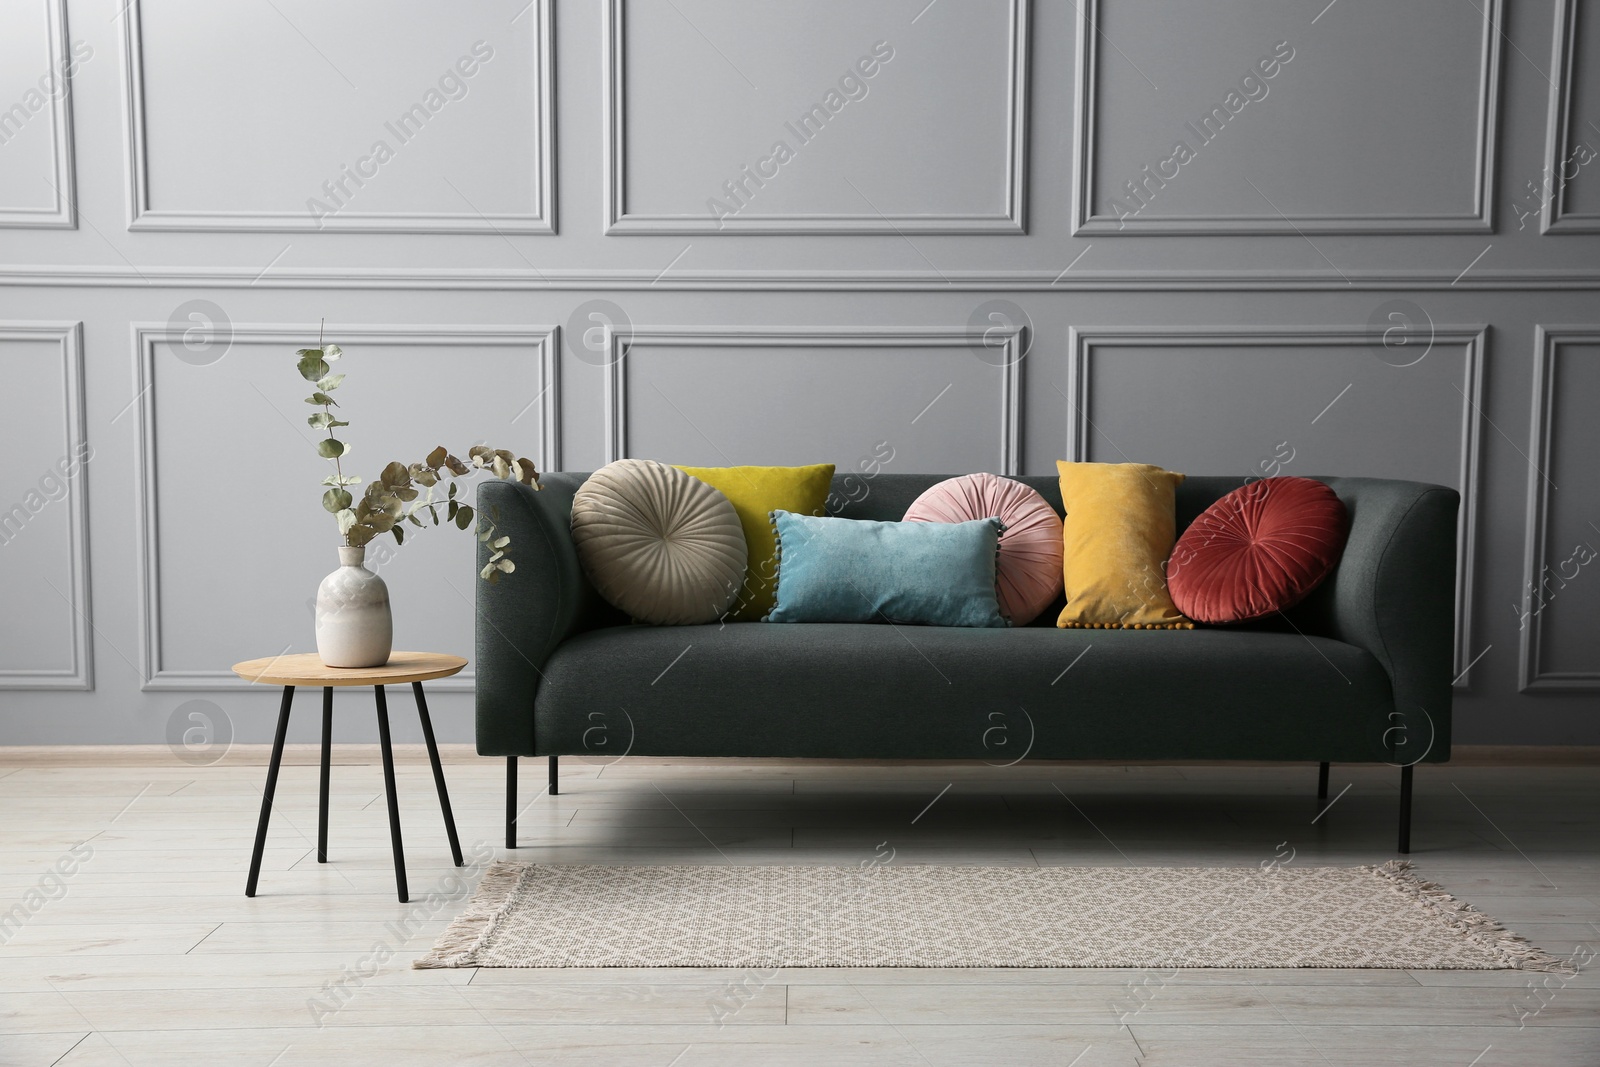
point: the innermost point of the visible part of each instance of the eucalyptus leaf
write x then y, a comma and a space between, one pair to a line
330, 382
395, 475
463, 517
331, 351
501, 542
488, 573
505, 566
406, 493
330, 448
360, 534
502, 469
478, 451
322, 399
437, 457
450, 513
319, 421
399, 534
425, 477
347, 519
312, 367
309, 352
335, 500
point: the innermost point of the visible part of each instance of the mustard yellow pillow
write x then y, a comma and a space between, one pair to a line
1120, 527
756, 492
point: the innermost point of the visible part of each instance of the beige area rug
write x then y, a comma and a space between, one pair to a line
531, 915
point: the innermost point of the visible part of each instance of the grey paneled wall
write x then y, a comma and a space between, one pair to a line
1232, 236
1257, 149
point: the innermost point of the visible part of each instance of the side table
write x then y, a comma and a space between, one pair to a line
307, 669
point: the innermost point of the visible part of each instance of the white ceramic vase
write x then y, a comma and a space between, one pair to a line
354, 627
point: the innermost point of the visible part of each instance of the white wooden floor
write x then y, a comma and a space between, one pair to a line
149, 953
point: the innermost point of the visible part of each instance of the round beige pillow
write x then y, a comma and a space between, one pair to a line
660, 544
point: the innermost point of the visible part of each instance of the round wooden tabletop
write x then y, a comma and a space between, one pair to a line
307, 668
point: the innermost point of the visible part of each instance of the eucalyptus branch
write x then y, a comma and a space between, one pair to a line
391, 501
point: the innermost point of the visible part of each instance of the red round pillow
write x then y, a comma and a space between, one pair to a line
1258, 550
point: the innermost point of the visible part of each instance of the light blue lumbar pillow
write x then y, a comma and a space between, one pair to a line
854, 570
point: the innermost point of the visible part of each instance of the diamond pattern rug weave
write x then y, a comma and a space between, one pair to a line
534, 915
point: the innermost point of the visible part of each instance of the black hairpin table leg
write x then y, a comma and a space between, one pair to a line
266, 794
327, 759
438, 771
394, 802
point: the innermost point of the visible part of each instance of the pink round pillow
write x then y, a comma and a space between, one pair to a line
1029, 575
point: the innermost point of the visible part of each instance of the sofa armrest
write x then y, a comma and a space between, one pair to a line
522, 618
1393, 594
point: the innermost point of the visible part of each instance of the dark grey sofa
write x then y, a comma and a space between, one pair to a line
1358, 673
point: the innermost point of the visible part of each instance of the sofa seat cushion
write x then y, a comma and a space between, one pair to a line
844, 690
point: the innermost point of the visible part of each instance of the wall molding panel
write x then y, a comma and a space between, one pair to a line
147, 336
1083, 341
68, 337
1548, 343
620, 346
1480, 219
63, 214
620, 220
751, 281
1553, 217
141, 216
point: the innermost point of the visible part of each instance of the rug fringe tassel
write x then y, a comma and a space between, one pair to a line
1468, 922
459, 945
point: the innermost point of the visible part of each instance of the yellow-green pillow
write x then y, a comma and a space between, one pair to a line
1119, 530
756, 492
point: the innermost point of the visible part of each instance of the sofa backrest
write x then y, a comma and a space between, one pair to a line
885, 497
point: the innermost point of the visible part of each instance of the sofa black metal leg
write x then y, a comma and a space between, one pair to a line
1405, 810
511, 802
555, 776
1322, 781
